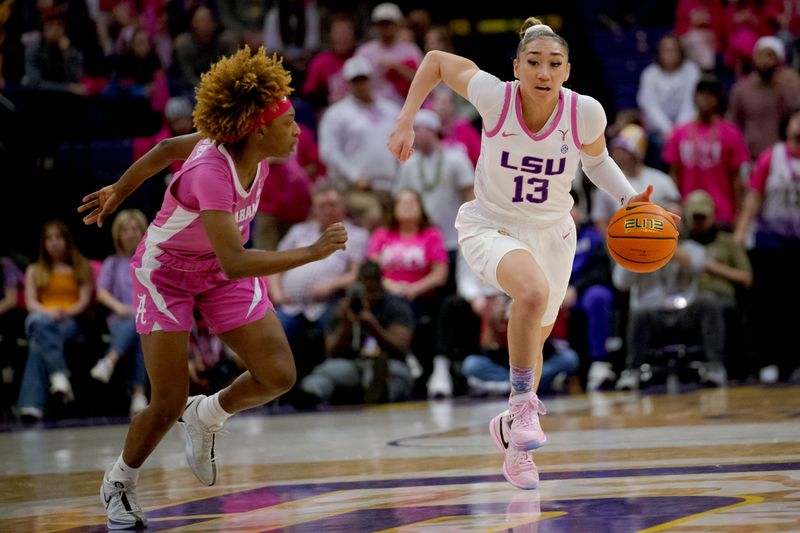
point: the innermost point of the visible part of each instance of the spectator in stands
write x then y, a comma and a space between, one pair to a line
745, 22
414, 264
201, 46
590, 294
137, 72
438, 38
11, 319
352, 144
244, 19
699, 24
58, 289
292, 29
628, 150
772, 210
666, 307
304, 294
666, 91
790, 31
366, 341
324, 82
395, 60
762, 102
115, 291
456, 131
708, 153
53, 64
443, 178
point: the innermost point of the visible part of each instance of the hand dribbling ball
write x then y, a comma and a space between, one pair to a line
642, 237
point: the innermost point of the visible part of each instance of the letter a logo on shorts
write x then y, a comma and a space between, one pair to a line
141, 309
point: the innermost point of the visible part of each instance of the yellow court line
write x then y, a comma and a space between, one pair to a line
663, 527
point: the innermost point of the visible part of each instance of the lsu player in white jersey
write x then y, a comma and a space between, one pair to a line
518, 235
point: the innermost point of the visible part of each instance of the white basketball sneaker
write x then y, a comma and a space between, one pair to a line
524, 410
200, 441
122, 508
518, 466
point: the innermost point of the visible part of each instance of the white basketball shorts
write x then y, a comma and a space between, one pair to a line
485, 239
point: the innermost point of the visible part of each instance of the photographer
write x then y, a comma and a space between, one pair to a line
366, 342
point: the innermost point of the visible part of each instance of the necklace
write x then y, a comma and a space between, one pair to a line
429, 185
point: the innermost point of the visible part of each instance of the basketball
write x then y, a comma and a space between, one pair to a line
642, 237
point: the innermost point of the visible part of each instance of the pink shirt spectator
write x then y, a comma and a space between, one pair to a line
463, 134
401, 52
777, 177
700, 14
708, 157
406, 258
208, 181
745, 22
325, 76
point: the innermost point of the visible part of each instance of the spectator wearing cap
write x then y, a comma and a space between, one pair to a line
443, 176
628, 149
352, 144
708, 153
395, 59
771, 208
763, 100
745, 22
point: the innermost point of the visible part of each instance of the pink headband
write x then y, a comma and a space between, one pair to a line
268, 115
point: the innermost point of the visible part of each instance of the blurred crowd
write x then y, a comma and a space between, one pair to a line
398, 315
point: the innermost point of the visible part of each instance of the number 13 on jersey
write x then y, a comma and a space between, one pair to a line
538, 191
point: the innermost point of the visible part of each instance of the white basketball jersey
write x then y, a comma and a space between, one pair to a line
524, 175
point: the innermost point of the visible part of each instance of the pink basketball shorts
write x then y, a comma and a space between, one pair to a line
166, 294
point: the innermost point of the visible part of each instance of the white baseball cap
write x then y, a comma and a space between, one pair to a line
357, 66
387, 12
771, 42
428, 119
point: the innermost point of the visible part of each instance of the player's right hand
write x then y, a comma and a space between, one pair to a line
401, 142
333, 238
104, 202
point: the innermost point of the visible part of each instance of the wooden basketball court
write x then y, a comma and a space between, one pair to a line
725, 460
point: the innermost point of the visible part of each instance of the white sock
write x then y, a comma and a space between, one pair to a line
122, 472
211, 413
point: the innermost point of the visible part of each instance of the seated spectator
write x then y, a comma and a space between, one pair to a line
137, 72
212, 366
666, 307
53, 64
366, 341
414, 265
590, 294
488, 371
115, 291
292, 30
305, 294
628, 149
772, 213
324, 83
395, 60
58, 289
352, 143
457, 132
443, 178
700, 26
12, 317
666, 91
762, 102
201, 46
708, 153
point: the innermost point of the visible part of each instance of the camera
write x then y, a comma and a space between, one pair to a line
355, 296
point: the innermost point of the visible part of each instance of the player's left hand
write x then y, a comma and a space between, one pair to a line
645, 198
102, 202
401, 142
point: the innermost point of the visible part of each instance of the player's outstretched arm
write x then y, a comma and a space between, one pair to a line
455, 71
238, 262
106, 200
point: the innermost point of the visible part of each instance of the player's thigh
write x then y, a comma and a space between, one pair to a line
165, 360
263, 348
521, 277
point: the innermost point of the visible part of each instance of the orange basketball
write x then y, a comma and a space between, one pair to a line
642, 237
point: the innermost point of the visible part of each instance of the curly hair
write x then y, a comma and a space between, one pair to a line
236, 90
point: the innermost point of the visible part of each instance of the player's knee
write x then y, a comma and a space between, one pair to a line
167, 412
532, 299
284, 377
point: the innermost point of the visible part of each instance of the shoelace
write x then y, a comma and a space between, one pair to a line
127, 495
523, 461
522, 412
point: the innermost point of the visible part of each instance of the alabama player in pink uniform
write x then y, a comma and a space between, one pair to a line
193, 256
518, 235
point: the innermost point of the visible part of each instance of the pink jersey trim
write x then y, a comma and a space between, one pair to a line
503, 113
521, 119
573, 117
